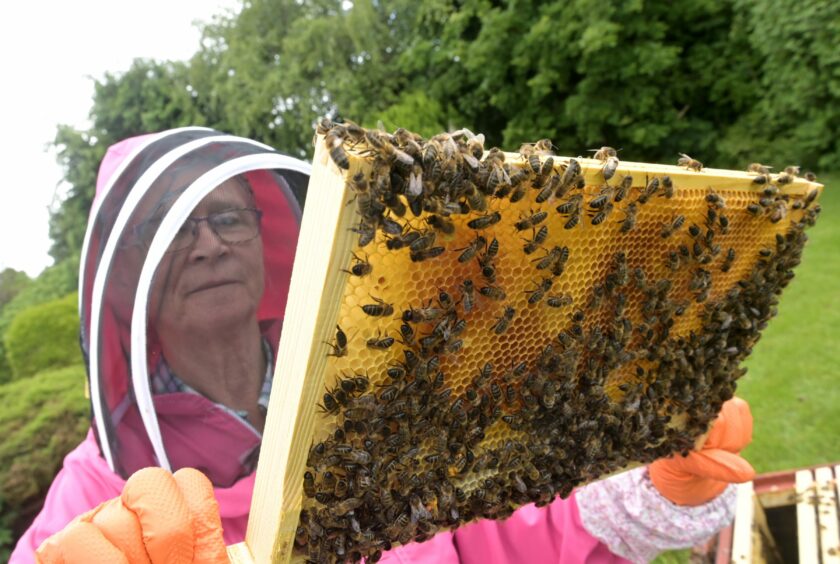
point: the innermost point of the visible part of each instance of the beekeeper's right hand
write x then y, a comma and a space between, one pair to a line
159, 517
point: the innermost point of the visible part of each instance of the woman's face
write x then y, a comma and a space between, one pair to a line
210, 285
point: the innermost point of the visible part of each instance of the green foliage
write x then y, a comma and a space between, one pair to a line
729, 81
42, 419
11, 283
44, 337
150, 96
796, 117
53, 283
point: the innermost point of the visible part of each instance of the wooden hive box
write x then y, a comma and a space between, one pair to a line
569, 319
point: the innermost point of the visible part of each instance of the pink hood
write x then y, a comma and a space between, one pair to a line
190, 430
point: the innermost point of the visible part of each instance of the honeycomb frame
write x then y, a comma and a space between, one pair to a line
325, 294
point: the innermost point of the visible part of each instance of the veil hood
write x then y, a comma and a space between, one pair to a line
137, 211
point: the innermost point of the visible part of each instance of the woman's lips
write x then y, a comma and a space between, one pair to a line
211, 285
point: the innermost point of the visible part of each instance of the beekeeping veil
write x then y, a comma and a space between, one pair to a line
147, 189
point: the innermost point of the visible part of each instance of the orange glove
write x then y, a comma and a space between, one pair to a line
159, 517
704, 473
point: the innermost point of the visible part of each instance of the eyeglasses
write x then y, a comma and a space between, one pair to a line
232, 226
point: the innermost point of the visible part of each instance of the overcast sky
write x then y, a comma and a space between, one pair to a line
49, 52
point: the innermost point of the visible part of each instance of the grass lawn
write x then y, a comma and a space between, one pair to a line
793, 383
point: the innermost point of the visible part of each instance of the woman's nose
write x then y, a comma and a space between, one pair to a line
207, 243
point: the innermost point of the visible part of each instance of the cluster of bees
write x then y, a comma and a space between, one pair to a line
627, 368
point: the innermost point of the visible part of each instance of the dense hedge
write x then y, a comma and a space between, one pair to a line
44, 337
43, 418
55, 282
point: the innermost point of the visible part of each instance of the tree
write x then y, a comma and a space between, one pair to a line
11, 283
729, 81
150, 96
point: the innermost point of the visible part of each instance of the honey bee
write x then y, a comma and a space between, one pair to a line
492, 292
788, 175
492, 248
424, 240
470, 251
331, 404
379, 342
572, 209
546, 191
538, 239
671, 228
689, 163
339, 348
610, 167
762, 171
422, 314
667, 187
604, 196
488, 269
425, 254
442, 224
728, 260
623, 188
753, 208
467, 295
476, 199
535, 296
529, 154
334, 141
556, 255
599, 217
403, 240
778, 211
673, 261
603, 153
558, 301
629, 221
531, 221
649, 190
484, 221
346, 506
366, 233
504, 320
723, 221
360, 267
308, 484
547, 399
715, 200
573, 170
517, 194
379, 309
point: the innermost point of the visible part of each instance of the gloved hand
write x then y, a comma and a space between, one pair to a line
704, 474
159, 517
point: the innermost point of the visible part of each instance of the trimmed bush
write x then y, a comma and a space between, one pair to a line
55, 282
44, 337
43, 418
